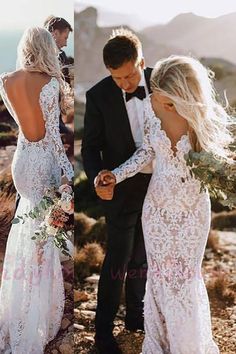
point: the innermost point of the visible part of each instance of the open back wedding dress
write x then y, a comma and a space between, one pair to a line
176, 222
32, 292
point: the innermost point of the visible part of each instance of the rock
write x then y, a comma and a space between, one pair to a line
80, 296
66, 349
65, 323
88, 314
79, 327
68, 286
89, 338
93, 279
91, 305
54, 351
71, 328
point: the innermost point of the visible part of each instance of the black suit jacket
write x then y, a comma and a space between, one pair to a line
107, 140
64, 63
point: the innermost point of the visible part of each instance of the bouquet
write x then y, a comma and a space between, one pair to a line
55, 211
217, 175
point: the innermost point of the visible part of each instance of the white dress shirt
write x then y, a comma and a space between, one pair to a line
135, 110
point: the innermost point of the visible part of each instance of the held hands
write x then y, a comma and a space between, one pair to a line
104, 184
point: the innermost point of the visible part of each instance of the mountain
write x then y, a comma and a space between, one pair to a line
107, 18
90, 40
210, 40
225, 77
209, 37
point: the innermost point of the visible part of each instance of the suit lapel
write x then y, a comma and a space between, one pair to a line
121, 115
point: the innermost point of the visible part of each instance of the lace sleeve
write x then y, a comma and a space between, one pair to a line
49, 100
142, 157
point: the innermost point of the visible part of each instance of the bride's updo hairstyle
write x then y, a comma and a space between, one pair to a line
37, 52
190, 87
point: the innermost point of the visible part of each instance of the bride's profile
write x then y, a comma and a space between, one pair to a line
32, 292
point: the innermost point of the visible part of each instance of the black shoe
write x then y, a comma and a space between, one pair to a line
134, 325
107, 345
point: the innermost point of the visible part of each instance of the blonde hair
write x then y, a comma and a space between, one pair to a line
190, 86
37, 52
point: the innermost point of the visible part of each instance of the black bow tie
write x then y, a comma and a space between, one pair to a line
139, 92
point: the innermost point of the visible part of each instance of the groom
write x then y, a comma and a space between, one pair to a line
60, 30
113, 130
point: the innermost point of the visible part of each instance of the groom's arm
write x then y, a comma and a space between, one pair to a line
93, 139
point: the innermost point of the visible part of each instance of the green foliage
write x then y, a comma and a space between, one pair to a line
216, 175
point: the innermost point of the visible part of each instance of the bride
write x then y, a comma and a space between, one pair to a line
32, 292
182, 114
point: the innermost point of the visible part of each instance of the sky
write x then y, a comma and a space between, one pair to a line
19, 14
159, 12
16, 15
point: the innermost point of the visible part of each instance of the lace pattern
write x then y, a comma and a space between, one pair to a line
176, 222
32, 290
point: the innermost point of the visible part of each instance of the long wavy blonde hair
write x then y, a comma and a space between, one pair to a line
37, 52
189, 85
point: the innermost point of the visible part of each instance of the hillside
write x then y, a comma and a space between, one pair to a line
211, 37
185, 34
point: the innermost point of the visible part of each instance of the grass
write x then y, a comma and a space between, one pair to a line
88, 260
221, 288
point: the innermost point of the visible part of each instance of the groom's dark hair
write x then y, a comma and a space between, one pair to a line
53, 23
122, 46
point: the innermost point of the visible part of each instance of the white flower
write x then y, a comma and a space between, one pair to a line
51, 230
67, 207
66, 197
65, 188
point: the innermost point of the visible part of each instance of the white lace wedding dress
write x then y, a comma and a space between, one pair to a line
32, 292
176, 221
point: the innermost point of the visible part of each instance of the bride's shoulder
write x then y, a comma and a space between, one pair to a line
148, 107
4, 75
11, 76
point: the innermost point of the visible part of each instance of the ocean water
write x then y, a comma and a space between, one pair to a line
8, 49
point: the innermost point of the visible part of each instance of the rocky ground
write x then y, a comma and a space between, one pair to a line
219, 272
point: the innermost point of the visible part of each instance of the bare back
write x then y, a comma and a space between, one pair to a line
23, 91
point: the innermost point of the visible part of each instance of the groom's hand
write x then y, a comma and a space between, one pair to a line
104, 184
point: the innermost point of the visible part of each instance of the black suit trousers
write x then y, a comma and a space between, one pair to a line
125, 257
